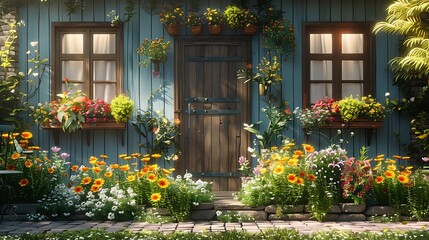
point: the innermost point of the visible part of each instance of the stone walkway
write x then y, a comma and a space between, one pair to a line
306, 227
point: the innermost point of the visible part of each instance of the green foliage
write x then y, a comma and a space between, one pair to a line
417, 204
350, 108
213, 17
233, 16
268, 72
233, 216
278, 36
10, 102
154, 50
122, 108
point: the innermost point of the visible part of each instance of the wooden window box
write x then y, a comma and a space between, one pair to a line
109, 125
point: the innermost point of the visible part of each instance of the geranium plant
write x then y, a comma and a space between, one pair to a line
154, 50
321, 113
96, 111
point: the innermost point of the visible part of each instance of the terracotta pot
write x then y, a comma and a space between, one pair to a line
215, 29
173, 29
196, 30
250, 30
263, 89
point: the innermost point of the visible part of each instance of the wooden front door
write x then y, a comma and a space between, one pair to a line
212, 106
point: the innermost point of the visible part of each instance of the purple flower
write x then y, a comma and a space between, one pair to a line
425, 159
242, 160
257, 170
55, 149
65, 155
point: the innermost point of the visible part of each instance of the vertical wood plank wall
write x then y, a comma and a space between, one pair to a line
139, 82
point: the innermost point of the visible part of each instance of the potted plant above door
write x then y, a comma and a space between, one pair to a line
233, 16
154, 51
195, 22
214, 20
268, 72
172, 17
250, 22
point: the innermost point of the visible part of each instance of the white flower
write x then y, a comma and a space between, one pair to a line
387, 94
339, 131
33, 44
412, 99
66, 214
111, 216
251, 150
218, 213
28, 52
114, 208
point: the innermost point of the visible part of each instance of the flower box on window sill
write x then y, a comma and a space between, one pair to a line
109, 125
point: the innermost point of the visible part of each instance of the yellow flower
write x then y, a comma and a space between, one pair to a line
300, 181
26, 135
156, 155
96, 169
86, 180
279, 169
391, 167
95, 188
114, 166
155, 197
379, 179
163, 183
125, 167
151, 177
108, 174
28, 164
122, 155
389, 174
92, 160
403, 178
292, 162
292, 178
131, 178
99, 181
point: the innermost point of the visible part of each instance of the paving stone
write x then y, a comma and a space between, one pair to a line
353, 208
203, 214
351, 217
291, 209
291, 217
204, 206
379, 211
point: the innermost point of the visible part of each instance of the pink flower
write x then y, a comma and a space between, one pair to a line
55, 149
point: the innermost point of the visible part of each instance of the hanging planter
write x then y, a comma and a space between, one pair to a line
155, 69
173, 29
196, 30
250, 30
195, 22
154, 51
215, 30
263, 89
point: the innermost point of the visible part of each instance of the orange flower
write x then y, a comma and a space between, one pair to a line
86, 180
84, 169
379, 179
103, 156
292, 162
389, 174
298, 152
96, 169
99, 182
78, 189
23, 182
125, 167
300, 181
151, 177
140, 175
74, 168
403, 178
308, 148
28, 164
114, 166
153, 167
311, 177
397, 156
135, 155
391, 167
155, 197
292, 178
145, 170
26, 135
108, 174
156, 155
406, 158
34, 148
15, 156
51, 170
122, 155
302, 174
163, 183
279, 169
11, 167
127, 158
95, 188
176, 121
145, 159
39, 160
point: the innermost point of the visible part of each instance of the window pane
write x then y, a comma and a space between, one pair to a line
319, 91
104, 71
320, 43
72, 43
72, 70
354, 89
352, 70
77, 86
104, 43
104, 92
321, 70
352, 43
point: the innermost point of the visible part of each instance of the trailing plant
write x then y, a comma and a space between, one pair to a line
278, 36
129, 13
122, 108
154, 50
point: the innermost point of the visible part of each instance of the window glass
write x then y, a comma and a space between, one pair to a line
104, 43
352, 70
354, 89
321, 70
72, 70
104, 92
352, 43
104, 71
319, 91
320, 43
72, 43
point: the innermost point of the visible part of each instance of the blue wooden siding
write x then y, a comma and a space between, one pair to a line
139, 83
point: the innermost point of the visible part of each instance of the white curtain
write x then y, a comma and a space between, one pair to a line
104, 70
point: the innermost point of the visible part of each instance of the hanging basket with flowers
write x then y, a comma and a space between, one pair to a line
172, 17
279, 36
195, 22
214, 18
154, 51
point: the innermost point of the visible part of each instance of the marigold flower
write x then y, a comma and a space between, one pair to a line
95, 188
397, 157
298, 152
5, 135
78, 189
389, 174
135, 155
100, 163
145, 159
122, 155
403, 178
140, 175
176, 121
153, 167
84, 169
163, 183
24, 182
28, 164
292, 162
311, 177
379, 179
274, 148
155, 197
99, 181
96, 169
86, 180
391, 167
127, 158
406, 158
114, 166
156, 155
145, 170
151, 177
103, 156
279, 169
131, 178
92, 160
391, 161
308, 148
39, 160
15, 156
11, 167
125, 167
108, 174
300, 181
51, 170
302, 174
26, 135
165, 171
74, 168
292, 178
